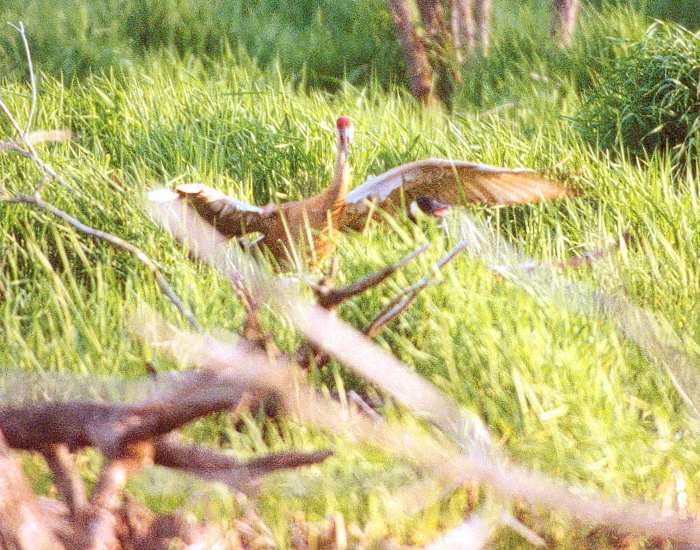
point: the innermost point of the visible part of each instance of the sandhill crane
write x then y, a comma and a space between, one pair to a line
429, 186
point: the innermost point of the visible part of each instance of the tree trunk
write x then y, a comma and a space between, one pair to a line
564, 20
433, 17
463, 27
440, 46
482, 15
420, 72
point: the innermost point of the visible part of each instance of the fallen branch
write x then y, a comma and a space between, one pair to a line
575, 262
32, 77
330, 298
134, 436
214, 466
66, 479
115, 429
22, 524
407, 296
113, 240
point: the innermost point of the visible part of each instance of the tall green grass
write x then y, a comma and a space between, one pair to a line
317, 41
647, 100
564, 393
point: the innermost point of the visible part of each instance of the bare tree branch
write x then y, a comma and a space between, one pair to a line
113, 240
131, 436
112, 427
576, 262
21, 523
32, 76
30, 151
67, 480
407, 296
330, 298
213, 466
28, 140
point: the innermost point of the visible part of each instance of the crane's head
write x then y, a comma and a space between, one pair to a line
427, 206
345, 132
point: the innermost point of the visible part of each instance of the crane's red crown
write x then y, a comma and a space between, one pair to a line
343, 123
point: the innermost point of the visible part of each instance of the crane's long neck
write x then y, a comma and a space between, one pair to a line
334, 195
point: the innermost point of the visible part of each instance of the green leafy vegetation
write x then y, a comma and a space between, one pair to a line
647, 100
563, 392
323, 42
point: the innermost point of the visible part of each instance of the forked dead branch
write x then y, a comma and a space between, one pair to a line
131, 437
473, 457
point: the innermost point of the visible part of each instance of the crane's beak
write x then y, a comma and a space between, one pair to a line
346, 135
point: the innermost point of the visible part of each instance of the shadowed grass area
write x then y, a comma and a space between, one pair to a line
315, 42
322, 41
647, 100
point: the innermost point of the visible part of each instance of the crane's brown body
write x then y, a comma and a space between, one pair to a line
288, 228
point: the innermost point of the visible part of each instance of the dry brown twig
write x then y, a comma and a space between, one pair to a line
329, 298
407, 296
67, 480
117, 242
21, 520
133, 436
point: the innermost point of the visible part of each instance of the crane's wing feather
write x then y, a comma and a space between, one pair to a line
231, 217
448, 181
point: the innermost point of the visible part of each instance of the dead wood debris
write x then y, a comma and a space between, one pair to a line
130, 437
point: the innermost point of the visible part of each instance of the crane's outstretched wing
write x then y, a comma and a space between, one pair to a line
449, 181
231, 217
